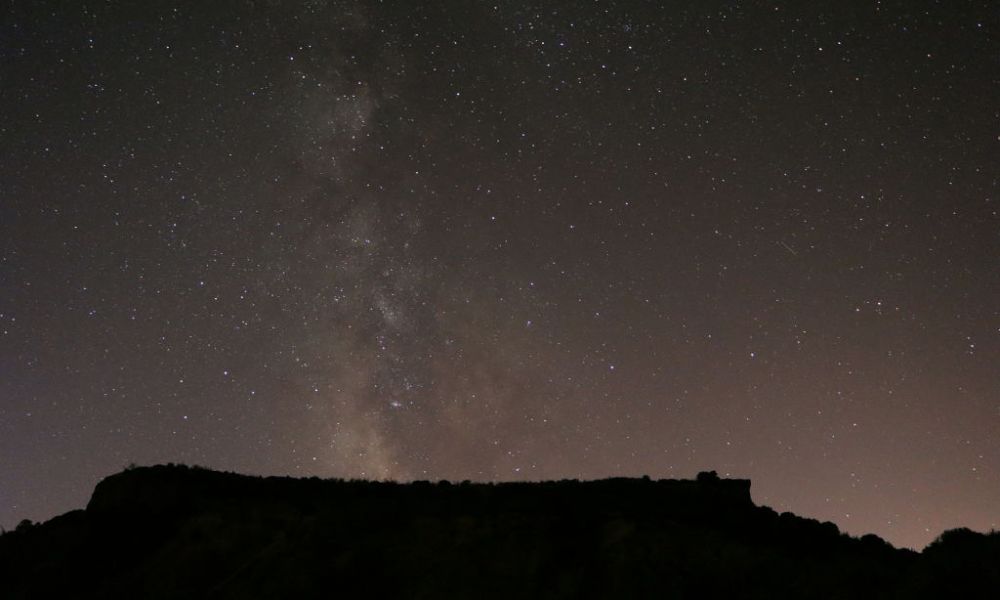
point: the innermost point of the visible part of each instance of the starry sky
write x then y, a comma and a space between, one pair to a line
507, 241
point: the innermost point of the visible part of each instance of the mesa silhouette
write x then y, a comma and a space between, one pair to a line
186, 532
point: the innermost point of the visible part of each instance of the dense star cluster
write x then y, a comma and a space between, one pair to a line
505, 240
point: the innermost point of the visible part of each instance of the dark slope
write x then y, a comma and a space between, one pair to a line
178, 532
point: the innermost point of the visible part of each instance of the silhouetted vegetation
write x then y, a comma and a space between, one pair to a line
180, 532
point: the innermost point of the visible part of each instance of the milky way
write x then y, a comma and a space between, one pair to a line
507, 241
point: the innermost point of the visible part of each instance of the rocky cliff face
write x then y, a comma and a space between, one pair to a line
179, 489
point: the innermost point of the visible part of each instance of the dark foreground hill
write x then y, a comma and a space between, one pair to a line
179, 532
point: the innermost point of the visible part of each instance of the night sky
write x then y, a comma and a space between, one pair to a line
507, 241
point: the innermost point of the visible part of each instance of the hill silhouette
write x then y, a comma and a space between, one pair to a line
186, 532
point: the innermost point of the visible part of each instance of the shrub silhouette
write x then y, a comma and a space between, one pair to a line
707, 477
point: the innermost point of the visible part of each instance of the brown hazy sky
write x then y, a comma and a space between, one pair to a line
507, 241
